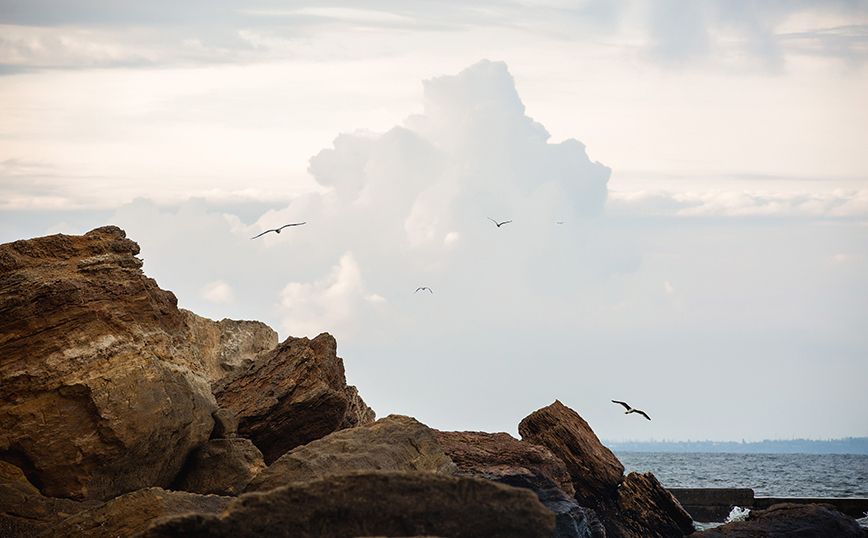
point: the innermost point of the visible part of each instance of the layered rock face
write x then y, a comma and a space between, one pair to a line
292, 395
103, 389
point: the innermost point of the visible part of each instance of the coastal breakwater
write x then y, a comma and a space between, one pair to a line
715, 504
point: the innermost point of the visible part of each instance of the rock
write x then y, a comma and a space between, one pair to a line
396, 443
221, 467
98, 392
374, 503
291, 395
595, 472
24, 512
790, 520
225, 424
504, 459
644, 509
133, 512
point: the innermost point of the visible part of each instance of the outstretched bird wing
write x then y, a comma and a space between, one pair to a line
263, 233
643, 414
627, 407
288, 225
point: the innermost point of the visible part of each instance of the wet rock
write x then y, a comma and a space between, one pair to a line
221, 467
595, 472
790, 520
24, 512
102, 391
396, 442
375, 503
133, 512
291, 395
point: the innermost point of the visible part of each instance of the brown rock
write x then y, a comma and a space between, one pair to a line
395, 443
225, 424
291, 395
374, 503
221, 467
133, 512
644, 509
103, 388
595, 471
490, 455
24, 512
790, 520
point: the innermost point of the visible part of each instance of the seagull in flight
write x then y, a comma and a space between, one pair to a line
499, 224
423, 288
630, 409
277, 229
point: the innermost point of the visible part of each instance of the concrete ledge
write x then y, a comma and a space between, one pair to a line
714, 504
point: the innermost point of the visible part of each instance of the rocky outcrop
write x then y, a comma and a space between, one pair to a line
506, 460
644, 509
395, 443
221, 467
97, 396
292, 395
788, 520
133, 512
24, 512
375, 503
595, 472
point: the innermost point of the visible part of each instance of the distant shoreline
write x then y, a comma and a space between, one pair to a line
848, 445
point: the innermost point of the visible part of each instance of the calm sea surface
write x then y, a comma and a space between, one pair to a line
768, 475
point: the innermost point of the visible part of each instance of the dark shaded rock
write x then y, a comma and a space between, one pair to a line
291, 395
644, 509
393, 443
225, 424
375, 503
221, 467
24, 512
132, 512
594, 470
102, 391
790, 521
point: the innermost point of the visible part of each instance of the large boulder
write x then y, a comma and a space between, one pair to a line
595, 472
292, 395
102, 390
373, 503
24, 511
133, 512
221, 467
644, 509
789, 520
506, 460
393, 443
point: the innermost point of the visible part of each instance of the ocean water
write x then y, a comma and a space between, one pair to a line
768, 475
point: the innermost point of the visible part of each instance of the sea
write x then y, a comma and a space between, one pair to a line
768, 475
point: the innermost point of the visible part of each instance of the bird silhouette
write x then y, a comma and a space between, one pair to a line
630, 409
277, 230
499, 224
423, 288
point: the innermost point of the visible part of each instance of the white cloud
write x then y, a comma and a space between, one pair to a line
218, 292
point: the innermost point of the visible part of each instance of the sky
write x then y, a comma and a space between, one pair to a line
686, 185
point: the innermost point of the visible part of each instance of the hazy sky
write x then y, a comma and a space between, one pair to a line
687, 182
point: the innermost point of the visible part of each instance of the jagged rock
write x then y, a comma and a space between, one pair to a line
395, 443
595, 472
225, 424
24, 512
490, 455
374, 503
504, 459
221, 467
644, 509
98, 395
227, 345
790, 520
133, 512
291, 395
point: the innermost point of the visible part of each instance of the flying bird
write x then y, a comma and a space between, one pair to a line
277, 229
631, 410
499, 224
423, 288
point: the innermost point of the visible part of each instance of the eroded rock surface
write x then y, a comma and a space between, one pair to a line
644, 509
790, 520
292, 395
396, 443
221, 467
375, 503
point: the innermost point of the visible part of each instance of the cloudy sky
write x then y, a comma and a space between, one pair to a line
686, 180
